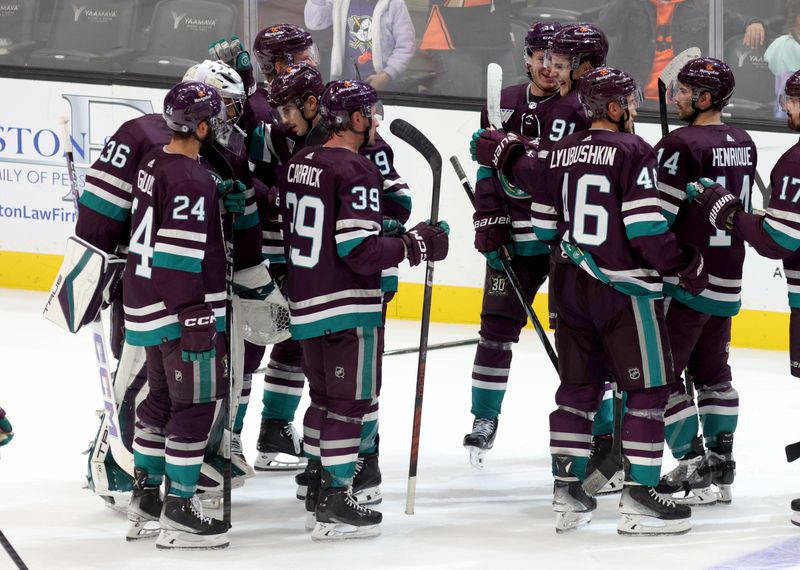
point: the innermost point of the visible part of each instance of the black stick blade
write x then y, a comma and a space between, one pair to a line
408, 133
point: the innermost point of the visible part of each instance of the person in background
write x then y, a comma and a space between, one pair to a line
783, 54
375, 36
646, 34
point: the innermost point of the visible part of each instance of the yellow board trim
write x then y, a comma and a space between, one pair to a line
451, 304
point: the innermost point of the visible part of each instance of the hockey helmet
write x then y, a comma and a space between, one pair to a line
295, 84
579, 42
602, 85
189, 103
282, 41
539, 36
342, 98
707, 74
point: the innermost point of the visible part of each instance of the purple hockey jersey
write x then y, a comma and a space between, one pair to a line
331, 204
566, 117
727, 155
600, 199
176, 256
105, 203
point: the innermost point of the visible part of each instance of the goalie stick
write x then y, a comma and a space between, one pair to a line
410, 135
505, 260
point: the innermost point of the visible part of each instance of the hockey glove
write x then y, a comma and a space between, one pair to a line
491, 230
198, 332
473, 144
232, 194
6, 431
232, 53
693, 277
392, 228
493, 257
715, 202
497, 149
426, 242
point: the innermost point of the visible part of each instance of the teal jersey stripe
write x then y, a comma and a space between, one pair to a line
367, 380
783, 240
246, 222
404, 200
531, 248
153, 337
704, 304
104, 207
389, 284
640, 229
177, 262
794, 300
545, 234
273, 258
484, 172
336, 324
205, 380
652, 344
669, 216
344, 248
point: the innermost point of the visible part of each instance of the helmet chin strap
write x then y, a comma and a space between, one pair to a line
364, 133
309, 122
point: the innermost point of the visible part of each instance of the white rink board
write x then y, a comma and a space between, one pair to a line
33, 178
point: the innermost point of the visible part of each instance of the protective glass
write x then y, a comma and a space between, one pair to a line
783, 99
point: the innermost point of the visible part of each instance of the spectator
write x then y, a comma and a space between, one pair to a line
463, 38
375, 35
783, 54
646, 34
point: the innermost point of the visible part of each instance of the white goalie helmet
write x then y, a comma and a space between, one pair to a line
229, 84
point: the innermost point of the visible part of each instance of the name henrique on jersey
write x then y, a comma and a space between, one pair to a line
727, 155
176, 255
331, 210
601, 200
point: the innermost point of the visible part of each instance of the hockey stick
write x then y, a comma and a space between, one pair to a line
439, 346
11, 552
793, 451
494, 84
667, 76
505, 260
419, 142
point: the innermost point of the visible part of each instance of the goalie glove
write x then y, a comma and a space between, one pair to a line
715, 202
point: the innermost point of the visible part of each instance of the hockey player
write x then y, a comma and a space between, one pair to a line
174, 298
700, 327
776, 234
615, 247
332, 225
6, 431
504, 219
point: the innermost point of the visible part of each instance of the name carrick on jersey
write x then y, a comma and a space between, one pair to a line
176, 256
600, 199
331, 210
105, 203
727, 155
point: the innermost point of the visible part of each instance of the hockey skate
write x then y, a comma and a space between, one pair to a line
313, 474
573, 507
144, 509
237, 457
604, 469
340, 517
367, 480
480, 440
183, 526
690, 482
280, 447
719, 461
646, 513
301, 480
796, 512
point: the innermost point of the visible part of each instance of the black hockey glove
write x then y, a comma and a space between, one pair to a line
496, 148
426, 242
492, 230
693, 277
716, 203
198, 332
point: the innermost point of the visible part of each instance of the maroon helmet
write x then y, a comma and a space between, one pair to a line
579, 42
539, 36
708, 74
190, 103
342, 98
602, 85
281, 41
293, 85
790, 89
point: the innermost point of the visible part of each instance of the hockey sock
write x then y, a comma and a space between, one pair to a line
604, 418
244, 399
186, 446
490, 377
312, 425
283, 388
148, 452
719, 410
369, 430
571, 425
643, 434
339, 442
681, 423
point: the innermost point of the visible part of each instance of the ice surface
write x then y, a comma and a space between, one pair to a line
464, 519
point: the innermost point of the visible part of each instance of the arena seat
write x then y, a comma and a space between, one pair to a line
17, 30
